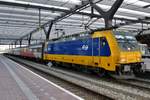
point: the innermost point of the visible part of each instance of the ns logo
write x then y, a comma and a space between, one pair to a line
85, 47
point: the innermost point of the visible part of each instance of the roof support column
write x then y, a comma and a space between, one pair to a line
47, 33
9, 46
15, 44
92, 12
107, 15
39, 17
29, 40
20, 43
12, 45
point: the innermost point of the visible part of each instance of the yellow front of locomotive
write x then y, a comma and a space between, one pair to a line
125, 58
130, 59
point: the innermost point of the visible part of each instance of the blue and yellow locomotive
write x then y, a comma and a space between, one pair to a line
100, 50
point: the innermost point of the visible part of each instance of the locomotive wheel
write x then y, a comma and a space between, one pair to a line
101, 72
120, 75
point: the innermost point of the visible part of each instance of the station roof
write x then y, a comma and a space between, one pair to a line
17, 20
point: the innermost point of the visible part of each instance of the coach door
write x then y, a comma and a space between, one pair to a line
96, 51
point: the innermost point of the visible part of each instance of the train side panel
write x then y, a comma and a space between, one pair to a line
26, 52
94, 52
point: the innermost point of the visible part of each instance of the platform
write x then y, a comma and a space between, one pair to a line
147, 62
19, 83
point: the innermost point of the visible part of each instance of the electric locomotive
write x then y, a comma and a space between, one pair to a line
100, 51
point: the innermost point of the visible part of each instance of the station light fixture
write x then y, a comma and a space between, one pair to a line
19, 11
124, 10
23, 16
35, 4
119, 16
138, 3
76, 2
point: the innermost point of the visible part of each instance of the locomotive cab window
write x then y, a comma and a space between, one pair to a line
127, 43
103, 41
104, 47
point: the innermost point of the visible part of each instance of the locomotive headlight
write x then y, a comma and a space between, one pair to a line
138, 58
122, 60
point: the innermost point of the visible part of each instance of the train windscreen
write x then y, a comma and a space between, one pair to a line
127, 43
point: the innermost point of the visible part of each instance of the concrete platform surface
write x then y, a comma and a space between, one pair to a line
147, 62
19, 83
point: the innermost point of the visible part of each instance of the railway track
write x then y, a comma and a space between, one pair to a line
142, 80
110, 89
144, 85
